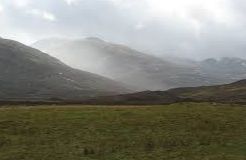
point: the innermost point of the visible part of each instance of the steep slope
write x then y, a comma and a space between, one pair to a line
30, 75
125, 64
229, 93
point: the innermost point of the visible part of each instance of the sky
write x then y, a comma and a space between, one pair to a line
195, 29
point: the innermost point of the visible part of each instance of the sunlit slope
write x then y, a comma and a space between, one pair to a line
234, 92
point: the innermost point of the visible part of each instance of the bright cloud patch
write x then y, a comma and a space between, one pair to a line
69, 2
1, 8
43, 14
49, 16
21, 3
183, 8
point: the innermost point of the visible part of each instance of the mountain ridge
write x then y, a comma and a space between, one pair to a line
144, 71
28, 74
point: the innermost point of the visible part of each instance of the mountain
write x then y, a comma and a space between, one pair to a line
229, 93
28, 74
127, 65
230, 68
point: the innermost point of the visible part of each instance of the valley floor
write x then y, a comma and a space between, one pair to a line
187, 131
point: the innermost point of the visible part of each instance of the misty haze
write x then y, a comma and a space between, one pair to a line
122, 79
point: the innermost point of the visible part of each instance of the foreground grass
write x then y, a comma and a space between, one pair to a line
186, 131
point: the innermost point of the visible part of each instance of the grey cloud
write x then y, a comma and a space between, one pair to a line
131, 23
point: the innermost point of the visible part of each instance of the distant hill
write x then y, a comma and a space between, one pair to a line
132, 67
30, 75
230, 68
229, 93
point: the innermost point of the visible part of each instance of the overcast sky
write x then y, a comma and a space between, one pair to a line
185, 28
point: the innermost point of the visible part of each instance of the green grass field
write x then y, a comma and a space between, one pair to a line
188, 131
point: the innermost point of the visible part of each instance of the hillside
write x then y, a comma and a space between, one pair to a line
30, 75
229, 93
127, 65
